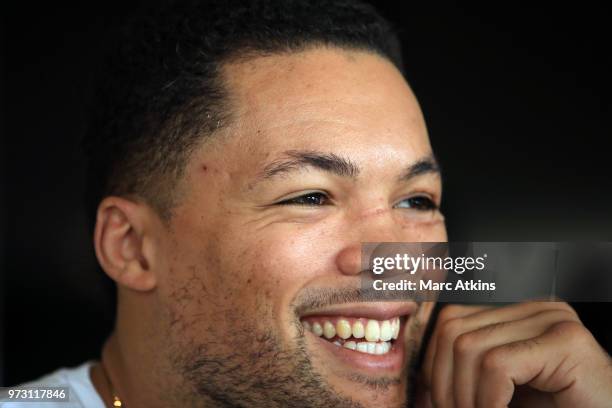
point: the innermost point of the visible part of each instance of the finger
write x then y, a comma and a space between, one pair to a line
447, 313
440, 352
458, 321
546, 363
471, 346
512, 312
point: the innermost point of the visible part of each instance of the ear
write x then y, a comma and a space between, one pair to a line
123, 242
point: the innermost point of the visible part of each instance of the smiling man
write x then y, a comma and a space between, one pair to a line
269, 141
241, 154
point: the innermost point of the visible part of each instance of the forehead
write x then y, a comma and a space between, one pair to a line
321, 99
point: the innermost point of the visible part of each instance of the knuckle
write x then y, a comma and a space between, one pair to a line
573, 331
567, 327
465, 343
493, 361
450, 329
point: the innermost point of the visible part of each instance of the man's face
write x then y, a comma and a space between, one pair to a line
327, 149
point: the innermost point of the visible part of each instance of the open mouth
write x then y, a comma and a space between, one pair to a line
363, 335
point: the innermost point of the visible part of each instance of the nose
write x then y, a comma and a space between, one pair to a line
376, 226
348, 260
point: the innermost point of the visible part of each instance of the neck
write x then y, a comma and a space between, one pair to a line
135, 363
101, 377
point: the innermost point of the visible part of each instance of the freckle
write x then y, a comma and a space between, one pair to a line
204, 167
249, 281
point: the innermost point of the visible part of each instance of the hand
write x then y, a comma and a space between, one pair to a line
479, 355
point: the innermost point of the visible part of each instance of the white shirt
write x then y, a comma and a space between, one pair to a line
81, 390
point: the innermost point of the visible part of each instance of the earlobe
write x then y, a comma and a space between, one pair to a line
120, 236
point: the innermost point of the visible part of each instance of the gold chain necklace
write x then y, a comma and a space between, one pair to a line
116, 400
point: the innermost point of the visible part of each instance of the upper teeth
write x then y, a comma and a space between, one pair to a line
317, 329
329, 330
343, 328
373, 330
386, 332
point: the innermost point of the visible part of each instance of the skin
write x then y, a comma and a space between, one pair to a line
533, 354
208, 302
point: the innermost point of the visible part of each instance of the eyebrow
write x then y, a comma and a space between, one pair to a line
296, 160
422, 166
299, 159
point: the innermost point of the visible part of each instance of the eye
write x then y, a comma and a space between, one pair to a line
419, 203
309, 199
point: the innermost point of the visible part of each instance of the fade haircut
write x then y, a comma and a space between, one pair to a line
161, 93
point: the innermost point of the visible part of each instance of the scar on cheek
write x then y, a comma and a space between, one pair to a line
416, 224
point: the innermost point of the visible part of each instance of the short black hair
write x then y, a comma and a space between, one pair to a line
160, 90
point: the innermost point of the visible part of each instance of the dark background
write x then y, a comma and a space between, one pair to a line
518, 106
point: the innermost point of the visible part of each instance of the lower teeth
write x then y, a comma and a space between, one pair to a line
368, 347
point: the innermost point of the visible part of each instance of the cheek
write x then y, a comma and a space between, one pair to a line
433, 231
279, 265
209, 288
275, 267
199, 290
